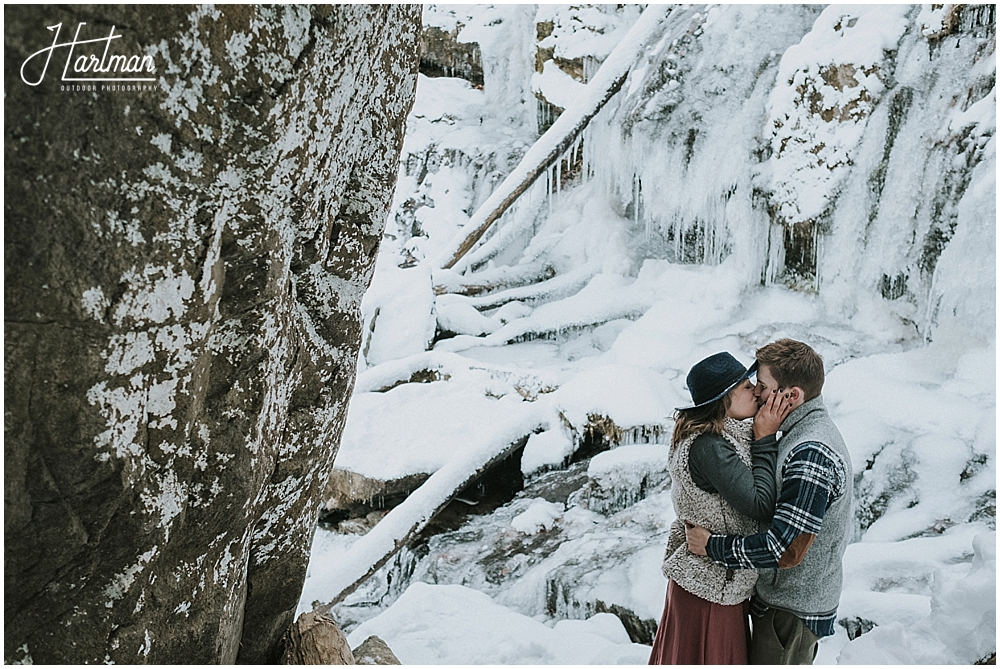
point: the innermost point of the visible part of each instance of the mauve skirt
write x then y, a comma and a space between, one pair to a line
696, 631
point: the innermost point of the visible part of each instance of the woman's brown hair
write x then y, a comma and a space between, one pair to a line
710, 418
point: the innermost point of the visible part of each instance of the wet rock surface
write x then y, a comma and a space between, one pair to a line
557, 568
442, 55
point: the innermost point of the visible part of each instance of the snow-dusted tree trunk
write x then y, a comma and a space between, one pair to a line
184, 268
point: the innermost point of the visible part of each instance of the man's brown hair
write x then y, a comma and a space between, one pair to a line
793, 363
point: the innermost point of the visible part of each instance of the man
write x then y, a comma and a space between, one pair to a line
800, 554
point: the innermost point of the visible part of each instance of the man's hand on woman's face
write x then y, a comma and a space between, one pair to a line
771, 414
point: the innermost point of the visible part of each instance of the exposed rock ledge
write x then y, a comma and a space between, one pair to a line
350, 495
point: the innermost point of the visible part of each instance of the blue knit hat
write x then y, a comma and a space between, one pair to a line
713, 377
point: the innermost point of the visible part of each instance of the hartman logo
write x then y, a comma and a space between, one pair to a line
88, 60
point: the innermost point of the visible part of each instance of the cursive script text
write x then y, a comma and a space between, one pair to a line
89, 63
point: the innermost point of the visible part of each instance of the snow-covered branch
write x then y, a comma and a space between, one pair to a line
558, 138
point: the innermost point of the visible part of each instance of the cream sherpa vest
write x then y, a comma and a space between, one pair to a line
697, 573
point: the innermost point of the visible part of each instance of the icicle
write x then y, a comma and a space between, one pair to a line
558, 169
635, 197
548, 188
817, 249
638, 198
578, 157
649, 228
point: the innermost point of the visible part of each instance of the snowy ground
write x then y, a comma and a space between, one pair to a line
613, 335
920, 573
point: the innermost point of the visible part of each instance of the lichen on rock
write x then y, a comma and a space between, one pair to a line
185, 269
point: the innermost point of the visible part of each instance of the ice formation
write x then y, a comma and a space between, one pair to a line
826, 174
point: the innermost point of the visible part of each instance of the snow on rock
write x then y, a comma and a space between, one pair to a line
460, 317
469, 627
581, 31
630, 396
933, 19
964, 607
420, 427
555, 85
628, 465
549, 449
428, 365
959, 629
920, 426
539, 517
398, 312
622, 476
512, 311
826, 88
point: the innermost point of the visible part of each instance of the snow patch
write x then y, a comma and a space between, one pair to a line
94, 303
541, 516
123, 581
548, 449
494, 635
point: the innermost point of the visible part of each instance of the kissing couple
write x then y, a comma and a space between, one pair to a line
763, 513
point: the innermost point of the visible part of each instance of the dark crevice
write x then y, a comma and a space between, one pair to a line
492, 489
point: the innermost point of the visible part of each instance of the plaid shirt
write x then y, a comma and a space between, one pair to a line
812, 478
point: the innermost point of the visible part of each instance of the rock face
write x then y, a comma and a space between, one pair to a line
184, 264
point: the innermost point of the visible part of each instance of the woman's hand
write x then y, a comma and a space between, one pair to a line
770, 416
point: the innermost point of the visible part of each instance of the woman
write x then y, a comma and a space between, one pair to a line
725, 483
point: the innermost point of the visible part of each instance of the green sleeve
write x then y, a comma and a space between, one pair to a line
716, 468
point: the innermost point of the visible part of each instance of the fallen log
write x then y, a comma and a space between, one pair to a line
564, 132
401, 525
491, 280
549, 289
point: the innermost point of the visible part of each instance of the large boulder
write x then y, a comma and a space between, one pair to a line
184, 264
